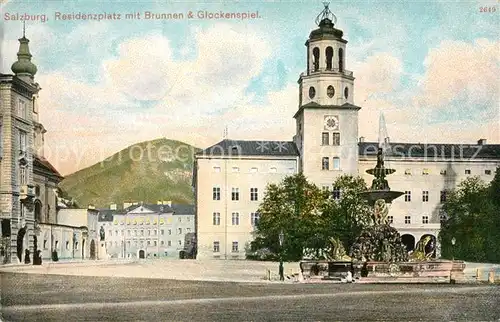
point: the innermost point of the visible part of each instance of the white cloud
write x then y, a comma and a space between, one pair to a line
459, 70
144, 69
227, 58
378, 74
460, 81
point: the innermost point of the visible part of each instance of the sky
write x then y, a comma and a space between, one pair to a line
431, 67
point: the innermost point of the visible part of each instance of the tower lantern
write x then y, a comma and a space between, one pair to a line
23, 67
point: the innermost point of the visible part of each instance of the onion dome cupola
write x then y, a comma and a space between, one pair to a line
23, 66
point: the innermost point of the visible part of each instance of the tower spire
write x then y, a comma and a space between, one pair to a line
383, 137
23, 67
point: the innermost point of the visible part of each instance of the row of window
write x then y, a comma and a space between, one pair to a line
443, 172
147, 221
329, 58
234, 247
325, 138
235, 194
325, 163
425, 219
254, 169
150, 232
137, 243
235, 218
425, 196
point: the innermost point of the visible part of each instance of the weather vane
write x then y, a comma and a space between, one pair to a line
24, 28
326, 14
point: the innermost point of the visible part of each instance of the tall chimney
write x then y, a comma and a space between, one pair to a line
361, 139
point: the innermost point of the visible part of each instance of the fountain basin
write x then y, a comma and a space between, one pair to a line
325, 270
380, 171
373, 195
433, 271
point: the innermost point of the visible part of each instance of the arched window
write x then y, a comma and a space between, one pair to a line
38, 211
341, 60
316, 58
329, 57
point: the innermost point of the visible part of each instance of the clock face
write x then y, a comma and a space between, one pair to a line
331, 122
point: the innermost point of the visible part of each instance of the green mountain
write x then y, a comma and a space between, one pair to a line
148, 171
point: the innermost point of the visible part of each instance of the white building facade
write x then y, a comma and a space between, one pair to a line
147, 230
326, 146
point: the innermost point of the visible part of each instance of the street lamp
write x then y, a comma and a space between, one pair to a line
281, 238
453, 241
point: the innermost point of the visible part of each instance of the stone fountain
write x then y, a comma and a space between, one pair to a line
380, 241
378, 254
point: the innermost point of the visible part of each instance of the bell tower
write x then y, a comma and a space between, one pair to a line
327, 119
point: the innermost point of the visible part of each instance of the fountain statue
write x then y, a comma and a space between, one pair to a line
380, 241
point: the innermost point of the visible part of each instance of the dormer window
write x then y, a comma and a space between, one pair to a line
235, 149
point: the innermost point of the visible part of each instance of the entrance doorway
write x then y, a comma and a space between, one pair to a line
141, 254
92, 249
20, 243
83, 249
409, 241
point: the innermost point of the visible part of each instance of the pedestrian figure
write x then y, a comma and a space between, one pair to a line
349, 277
27, 256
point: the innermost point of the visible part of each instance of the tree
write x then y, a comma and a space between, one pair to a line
473, 211
309, 217
293, 206
347, 215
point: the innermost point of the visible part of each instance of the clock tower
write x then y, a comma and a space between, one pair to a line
327, 119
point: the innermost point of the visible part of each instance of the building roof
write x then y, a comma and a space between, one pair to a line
434, 150
236, 148
183, 209
43, 166
175, 209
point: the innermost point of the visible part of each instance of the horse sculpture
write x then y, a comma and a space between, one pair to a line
337, 251
420, 253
